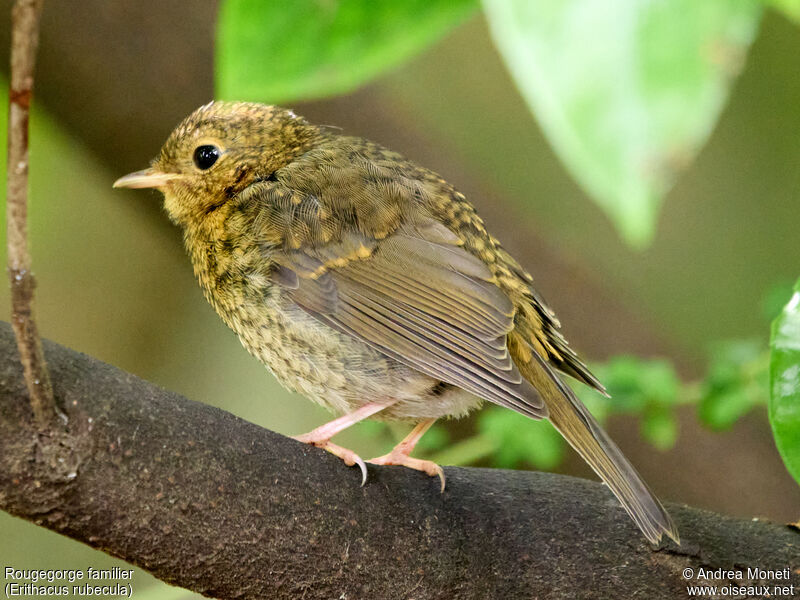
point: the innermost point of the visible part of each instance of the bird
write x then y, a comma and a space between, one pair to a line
370, 285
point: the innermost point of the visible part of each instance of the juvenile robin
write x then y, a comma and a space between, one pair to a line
370, 285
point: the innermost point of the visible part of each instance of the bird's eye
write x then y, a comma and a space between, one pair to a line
205, 156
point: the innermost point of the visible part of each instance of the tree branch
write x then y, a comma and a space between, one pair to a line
204, 500
25, 16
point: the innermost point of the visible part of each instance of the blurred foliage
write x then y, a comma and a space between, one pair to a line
286, 51
626, 110
736, 382
515, 439
791, 8
784, 404
629, 106
650, 390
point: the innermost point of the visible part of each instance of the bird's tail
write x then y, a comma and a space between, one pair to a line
571, 418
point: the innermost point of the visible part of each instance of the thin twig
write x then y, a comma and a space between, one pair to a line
25, 16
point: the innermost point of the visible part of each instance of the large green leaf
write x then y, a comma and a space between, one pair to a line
285, 51
784, 373
626, 91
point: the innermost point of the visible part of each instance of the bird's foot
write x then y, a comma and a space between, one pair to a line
398, 456
321, 436
349, 457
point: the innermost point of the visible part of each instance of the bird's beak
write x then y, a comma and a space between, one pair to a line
148, 178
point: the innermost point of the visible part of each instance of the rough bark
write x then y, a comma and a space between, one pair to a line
204, 500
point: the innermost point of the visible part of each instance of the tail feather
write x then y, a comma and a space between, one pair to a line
571, 418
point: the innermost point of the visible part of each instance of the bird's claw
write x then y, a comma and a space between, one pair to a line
361, 465
404, 460
349, 457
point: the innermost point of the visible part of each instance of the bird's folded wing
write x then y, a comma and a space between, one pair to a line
420, 298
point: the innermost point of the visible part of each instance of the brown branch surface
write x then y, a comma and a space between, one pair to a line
204, 500
25, 15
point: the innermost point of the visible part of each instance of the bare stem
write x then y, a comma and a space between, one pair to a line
25, 15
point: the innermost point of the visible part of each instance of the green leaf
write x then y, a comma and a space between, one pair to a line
660, 428
622, 376
626, 91
720, 409
774, 298
598, 404
520, 439
659, 382
784, 402
634, 384
281, 52
790, 8
736, 382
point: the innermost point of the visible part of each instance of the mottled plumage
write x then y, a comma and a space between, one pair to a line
369, 284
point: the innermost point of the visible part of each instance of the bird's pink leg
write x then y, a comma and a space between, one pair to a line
321, 436
400, 453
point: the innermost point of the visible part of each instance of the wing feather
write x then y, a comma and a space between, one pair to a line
420, 299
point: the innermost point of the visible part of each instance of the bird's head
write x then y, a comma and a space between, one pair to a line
219, 150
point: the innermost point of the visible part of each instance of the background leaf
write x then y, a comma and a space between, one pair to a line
736, 382
790, 8
518, 439
280, 52
784, 403
630, 105
660, 428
